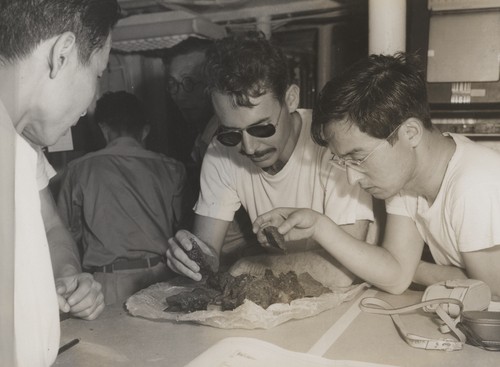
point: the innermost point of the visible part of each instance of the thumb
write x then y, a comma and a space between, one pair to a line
66, 285
60, 287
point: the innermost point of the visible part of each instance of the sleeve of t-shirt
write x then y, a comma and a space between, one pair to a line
396, 205
218, 198
44, 171
476, 218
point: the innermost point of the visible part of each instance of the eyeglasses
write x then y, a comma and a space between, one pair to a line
187, 84
357, 164
232, 137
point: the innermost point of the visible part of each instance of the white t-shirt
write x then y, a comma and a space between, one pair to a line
36, 318
465, 215
308, 180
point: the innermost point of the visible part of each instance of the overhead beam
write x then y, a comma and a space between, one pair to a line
257, 10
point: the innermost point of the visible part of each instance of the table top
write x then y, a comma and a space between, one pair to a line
342, 333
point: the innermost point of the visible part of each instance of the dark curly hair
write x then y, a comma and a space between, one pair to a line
246, 66
377, 94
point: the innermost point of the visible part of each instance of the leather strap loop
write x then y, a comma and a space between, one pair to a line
381, 307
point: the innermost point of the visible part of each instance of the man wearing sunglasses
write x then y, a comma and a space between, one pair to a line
263, 155
186, 85
440, 189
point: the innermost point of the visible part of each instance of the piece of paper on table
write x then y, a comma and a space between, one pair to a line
249, 352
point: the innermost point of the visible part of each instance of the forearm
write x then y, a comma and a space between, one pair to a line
63, 249
63, 253
428, 273
211, 231
358, 230
374, 264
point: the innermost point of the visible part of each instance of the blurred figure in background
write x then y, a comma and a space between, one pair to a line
123, 202
185, 84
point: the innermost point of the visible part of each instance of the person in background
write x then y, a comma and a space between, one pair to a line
122, 203
52, 53
185, 83
440, 189
263, 155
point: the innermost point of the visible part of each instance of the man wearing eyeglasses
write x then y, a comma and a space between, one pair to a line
263, 155
185, 84
440, 189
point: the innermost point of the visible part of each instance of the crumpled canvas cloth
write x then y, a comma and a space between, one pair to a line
150, 303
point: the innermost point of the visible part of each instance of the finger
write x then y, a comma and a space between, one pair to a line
60, 287
63, 304
86, 284
96, 312
92, 311
291, 222
184, 238
261, 221
89, 301
178, 255
180, 268
261, 237
66, 285
273, 217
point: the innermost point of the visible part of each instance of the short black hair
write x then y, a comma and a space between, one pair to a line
24, 24
121, 111
376, 94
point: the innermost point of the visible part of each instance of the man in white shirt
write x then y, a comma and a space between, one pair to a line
263, 155
51, 55
440, 189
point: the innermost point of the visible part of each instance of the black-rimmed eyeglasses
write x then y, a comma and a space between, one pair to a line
187, 84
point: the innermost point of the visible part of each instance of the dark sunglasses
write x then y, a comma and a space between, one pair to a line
231, 138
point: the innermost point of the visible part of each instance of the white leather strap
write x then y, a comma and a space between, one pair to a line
378, 306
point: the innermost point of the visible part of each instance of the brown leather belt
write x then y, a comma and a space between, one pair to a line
148, 262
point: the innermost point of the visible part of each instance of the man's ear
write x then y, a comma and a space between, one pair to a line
412, 131
61, 50
292, 97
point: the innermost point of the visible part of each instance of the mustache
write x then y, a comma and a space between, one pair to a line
258, 154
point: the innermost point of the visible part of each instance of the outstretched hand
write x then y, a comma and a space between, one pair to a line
293, 223
80, 295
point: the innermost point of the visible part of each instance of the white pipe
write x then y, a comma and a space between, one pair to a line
324, 66
264, 25
387, 26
